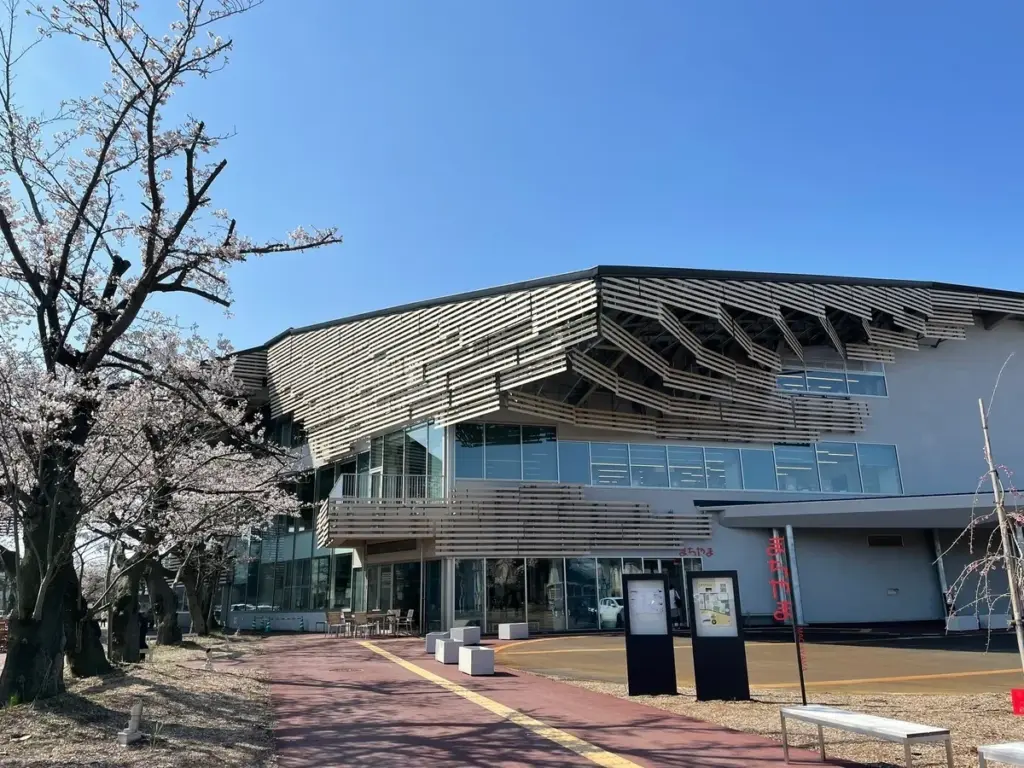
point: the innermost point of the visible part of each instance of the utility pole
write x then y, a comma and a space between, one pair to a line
1004, 531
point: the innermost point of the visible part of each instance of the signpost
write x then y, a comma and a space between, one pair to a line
650, 656
719, 654
781, 582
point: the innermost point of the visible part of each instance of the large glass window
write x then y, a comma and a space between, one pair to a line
647, 466
416, 450
686, 466
632, 565
358, 590
609, 463
540, 454
758, 470
321, 583
341, 594
723, 468
469, 593
373, 588
879, 468
792, 381
545, 590
827, 382
469, 451
503, 452
574, 462
433, 595
864, 383
435, 452
609, 593
506, 591
581, 592
407, 590
796, 468
837, 465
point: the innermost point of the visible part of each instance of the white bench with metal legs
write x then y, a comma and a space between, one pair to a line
1009, 754
882, 728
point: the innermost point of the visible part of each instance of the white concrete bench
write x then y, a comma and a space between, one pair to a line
447, 651
476, 660
1010, 754
466, 635
433, 637
513, 631
882, 728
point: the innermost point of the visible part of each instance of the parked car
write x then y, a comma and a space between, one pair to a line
610, 613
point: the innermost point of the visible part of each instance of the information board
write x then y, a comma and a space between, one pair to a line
714, 607
650, 657
647, 608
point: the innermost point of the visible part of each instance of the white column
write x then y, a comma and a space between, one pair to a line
794, 570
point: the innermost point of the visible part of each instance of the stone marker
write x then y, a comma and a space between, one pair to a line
447, 651
476, 660
466, 635
519, 631
433, 637
131, 734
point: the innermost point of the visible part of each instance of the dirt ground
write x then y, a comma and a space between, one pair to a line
191, 716
854, 667
926, 681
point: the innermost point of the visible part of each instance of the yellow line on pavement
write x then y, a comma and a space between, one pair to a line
583, 748
517, 643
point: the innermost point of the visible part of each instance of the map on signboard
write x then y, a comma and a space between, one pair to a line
714, 607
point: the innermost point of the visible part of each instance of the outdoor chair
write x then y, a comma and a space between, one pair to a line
333, 620
405, 622
362, 625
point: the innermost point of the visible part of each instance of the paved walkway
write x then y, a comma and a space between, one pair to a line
341, 702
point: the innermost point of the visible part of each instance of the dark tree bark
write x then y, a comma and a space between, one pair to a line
201, 593
164, 605
125, 637
83, 639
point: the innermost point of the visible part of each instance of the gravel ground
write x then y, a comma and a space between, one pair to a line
191, 716
973, 719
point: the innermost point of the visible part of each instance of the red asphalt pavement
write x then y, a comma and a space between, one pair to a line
338, 703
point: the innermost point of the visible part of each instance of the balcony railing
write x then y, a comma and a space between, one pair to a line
373, 486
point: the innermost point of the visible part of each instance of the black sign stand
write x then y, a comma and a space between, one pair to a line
650, 656
719, 654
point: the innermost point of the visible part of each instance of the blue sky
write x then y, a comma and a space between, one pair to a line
459, 145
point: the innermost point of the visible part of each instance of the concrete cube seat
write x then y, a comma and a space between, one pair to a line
447, 651
466, 635
513, 631
433, 637
476, 660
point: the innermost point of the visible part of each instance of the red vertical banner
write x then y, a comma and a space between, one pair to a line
1017, 700
780, 581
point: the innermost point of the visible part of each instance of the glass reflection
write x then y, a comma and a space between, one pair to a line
609, 593
469, 593
581, 592
506, 592
545, 591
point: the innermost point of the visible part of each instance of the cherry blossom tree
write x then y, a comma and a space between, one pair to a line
104, 208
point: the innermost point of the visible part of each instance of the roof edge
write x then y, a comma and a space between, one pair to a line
629, 271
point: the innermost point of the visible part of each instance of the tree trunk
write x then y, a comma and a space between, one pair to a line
83, 638
164, 605
34, 668
125, 636
200, 600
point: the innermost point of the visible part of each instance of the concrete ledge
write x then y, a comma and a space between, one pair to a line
447, 651
433, 637
476, 660
962, 623
513, 631
466, 635
995, 621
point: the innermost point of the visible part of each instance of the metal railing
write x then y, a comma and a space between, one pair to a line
376, 486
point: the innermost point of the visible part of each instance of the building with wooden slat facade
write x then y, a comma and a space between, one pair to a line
508, 454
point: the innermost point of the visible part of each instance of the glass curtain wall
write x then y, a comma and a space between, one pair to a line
433, 596
407, 589
506, 592
545, 594
469, 593
581, 592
